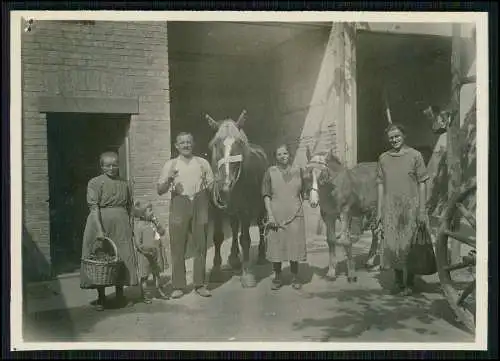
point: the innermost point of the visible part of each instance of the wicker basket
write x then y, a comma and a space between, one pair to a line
100, 272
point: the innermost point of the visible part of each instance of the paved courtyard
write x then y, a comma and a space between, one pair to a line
321, 311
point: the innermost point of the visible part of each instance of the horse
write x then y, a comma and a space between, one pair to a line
239, 169
345, 194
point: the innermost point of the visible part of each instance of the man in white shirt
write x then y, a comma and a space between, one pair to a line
189, 178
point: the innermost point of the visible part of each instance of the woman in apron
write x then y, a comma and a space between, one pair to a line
109, 201
282, 189
401, 177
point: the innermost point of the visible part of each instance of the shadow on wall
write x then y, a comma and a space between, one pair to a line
38, 285
35, 266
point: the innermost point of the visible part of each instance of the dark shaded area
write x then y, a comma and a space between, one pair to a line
35, 266
43, 328
37, 281
75, 142
411, 72
221, 69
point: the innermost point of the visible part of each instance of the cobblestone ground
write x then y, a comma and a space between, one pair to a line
321, 311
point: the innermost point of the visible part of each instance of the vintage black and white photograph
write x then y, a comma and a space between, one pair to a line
226, 180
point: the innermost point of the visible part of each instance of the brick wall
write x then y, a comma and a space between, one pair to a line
104, 60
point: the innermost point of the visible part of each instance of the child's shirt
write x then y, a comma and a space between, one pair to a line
146, 235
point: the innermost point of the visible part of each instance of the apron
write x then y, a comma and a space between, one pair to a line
288, 243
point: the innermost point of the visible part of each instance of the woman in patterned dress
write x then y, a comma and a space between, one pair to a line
282, 188
110, 204
401, 178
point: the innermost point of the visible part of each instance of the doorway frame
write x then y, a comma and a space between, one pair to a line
88, 105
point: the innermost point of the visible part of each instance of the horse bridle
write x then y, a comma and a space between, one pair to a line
225, 161
323, 165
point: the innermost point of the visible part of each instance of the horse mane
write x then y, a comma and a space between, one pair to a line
331, 157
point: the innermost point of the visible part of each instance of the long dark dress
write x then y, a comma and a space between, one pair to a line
113, 198
284, 187
400, 173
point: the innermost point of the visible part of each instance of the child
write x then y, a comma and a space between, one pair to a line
147, 238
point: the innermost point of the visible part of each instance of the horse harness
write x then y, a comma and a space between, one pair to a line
226, 160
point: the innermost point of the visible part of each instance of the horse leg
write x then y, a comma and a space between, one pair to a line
372, 254
351, 265
234, 256
331, 240
218, 239
262, 243
247, 278
345, 220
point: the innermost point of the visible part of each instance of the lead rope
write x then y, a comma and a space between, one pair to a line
285, 223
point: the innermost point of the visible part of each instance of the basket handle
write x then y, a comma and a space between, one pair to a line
110, 241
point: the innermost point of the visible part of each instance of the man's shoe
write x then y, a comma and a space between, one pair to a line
177, 294
203, 291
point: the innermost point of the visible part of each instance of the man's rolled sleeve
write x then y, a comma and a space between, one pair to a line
164, 173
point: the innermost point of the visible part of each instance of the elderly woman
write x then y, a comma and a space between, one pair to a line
401, 178
110, 205
282, 189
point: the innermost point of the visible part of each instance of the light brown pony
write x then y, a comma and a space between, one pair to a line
345, 194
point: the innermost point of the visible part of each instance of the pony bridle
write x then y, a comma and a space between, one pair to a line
316, 161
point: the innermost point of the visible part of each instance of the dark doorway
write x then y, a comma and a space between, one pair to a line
408, 71
75, 141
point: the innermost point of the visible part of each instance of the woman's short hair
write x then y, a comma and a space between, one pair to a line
394, 126
282, 145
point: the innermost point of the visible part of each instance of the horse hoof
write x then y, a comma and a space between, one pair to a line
352, 279
248, 281
331, 275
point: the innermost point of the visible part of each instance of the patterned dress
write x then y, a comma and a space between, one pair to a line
400, 173
284, 187
113, 198
146, 236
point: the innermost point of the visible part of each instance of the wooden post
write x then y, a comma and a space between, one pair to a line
453, 141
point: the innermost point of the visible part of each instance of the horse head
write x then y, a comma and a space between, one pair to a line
440, 118
229, 147
320, 170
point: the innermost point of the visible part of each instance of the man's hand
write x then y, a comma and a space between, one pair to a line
172, 174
